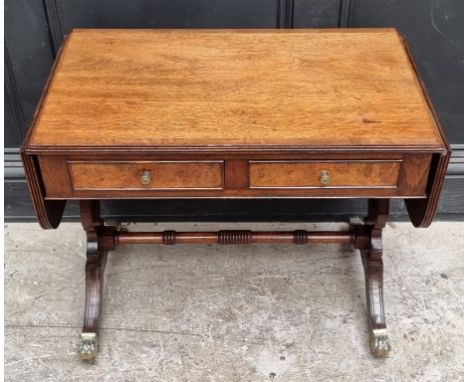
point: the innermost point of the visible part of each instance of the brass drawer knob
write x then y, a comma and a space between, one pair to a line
145, 178
324, 177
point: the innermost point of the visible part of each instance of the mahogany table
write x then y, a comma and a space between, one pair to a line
151, 114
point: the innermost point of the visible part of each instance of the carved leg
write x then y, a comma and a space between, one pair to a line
96, 255
369, 241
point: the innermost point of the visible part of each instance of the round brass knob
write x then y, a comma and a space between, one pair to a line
145, 178
324, 177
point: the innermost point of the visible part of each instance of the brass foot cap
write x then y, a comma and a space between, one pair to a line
380, 344
89, 346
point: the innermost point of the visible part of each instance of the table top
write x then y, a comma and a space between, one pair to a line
234, 89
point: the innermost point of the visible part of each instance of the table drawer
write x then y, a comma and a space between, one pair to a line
146, 175
324, 174
76, 178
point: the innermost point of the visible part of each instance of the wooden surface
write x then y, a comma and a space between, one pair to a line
371, 255
115, 175
235, 97
231, 237
302, 174
178, 88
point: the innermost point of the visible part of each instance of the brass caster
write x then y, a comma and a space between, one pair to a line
89, 346
380, 344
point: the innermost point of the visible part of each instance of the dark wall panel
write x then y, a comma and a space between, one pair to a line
29, 49
14, 118
70, 14
434, 31
167, 14
316, 14
12, 137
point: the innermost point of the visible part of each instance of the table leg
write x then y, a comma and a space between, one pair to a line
367, 237
371, 254
96, 257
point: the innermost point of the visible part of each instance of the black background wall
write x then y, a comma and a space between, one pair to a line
34, 29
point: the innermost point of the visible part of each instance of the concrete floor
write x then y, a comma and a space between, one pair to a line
234, 313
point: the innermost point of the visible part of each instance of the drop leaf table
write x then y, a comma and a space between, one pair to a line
151, 114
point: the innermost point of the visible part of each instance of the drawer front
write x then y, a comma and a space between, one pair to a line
146, 175
324, 174
107, 178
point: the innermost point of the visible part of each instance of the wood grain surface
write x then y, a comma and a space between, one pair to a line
372, 175
236, 97
307, 174
115, 175
234, 88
